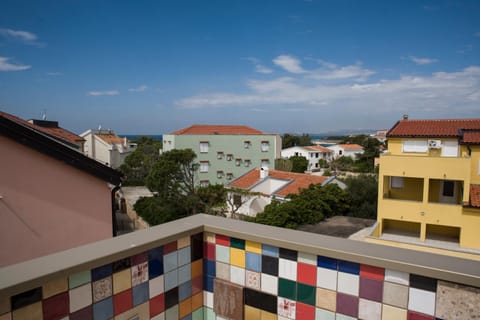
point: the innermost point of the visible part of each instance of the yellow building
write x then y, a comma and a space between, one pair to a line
429, 187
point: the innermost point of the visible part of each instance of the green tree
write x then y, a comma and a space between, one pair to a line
363, 193
212, 199
283, 165
299, 164
291, 140
138, 164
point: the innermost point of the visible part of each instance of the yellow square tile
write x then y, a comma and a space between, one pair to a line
253, 247
267, 315
30, 312
251, 313
122, 281
209, 237
326, 299
197, 268
393, 313
183, 242
55, 287
184, 308
237, 257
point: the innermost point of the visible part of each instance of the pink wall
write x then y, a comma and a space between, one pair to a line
47, 205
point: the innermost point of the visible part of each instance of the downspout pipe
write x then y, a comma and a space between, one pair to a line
114, 220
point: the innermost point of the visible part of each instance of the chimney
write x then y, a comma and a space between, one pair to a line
405, 117
263, 173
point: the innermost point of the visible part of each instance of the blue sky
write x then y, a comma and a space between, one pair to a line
151, 67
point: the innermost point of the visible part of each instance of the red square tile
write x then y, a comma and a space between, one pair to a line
197, 285
307, 273
56, 307
170, 247
418, 316
347, 304
157, 305
372, 272
139, 258
209, 250
122, 301
305, 311
223, 240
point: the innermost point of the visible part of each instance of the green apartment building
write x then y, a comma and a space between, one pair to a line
225, 152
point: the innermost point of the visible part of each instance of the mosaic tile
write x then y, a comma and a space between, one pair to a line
252, 279
286, 308
185, 308
222, 240
56, 307
209, 268
369, 310
208, 283
169, 247
102, 272
344, 317
252, 313
80, 297
457, 301
103, 310
184, 291
122, 302
395, 294
184, 256
139, 258
371, 289
411, 315
222, 253
160, 316
253, 261
189, 317
140, 293
349, 267
171, 298
254, 247
196, 268
140, 312
326, 299
171, 279
421, 301
327, 278
348, 283
372, 272
122, 281
26, 298
183, 242
237, 257
209, 237
305, 311
222, 271
79, 279
269, 283
208, 314
237, 243
307, 273
197, 314
196, 247
172, 313
208, 299
155, 262
31, 311
287, 269
307, 258
184, 274
347, 305
306, 294
228, 300
287, 289
270, 250
102, 289
156, 286
270, 265
393, 313
209, 251
324, 314
54, 287
397, 277
288, 254
197, 285
424, 283
170, 261
157, 305
264, 315
82, 314
327, 263
237, 275
122, 264
261, 300
197, 301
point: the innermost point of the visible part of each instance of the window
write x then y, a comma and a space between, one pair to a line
237, 200
415, 146
204, 166
340, 152
316, 155
247, 162
229, 176
204, 146
247, 144
264, 163
204, 183
229, 157
396, 182
450, 149
219, 155
265, 146
238, 162
448, 188
296, 154
219, 174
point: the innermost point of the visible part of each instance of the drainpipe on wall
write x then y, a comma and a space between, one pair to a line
114, 220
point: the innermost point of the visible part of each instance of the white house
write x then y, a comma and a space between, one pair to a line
106, 147
311, 153
346, 150
269, 184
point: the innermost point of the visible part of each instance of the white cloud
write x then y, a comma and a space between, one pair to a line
422, 61
54, 74
7, 66
25, 37
259, 68
103, 93
331, 71
141, 88
289, 63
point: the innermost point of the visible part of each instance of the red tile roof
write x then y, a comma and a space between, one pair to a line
432, 128
217, 129
57, 133
110, 138
475, 195
352, 146
471, 136
318, 148
297, 181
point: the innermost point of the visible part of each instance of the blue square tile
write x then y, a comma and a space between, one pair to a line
348, 267
184, 291
171, 279
184, 256
269, 250
184, 273
103, 309
155, 262
326, 262
253, 261
208, 283
188, 317
140, 293
102, 272
170, 261
209, 267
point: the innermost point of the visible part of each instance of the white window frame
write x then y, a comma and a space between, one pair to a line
264, 163
238, 162
220, 155
247, 144
219, 174
204, 183
229, 176
204, 165
265, 146
229, 157
415, 146
396, 182
247, 162
450, 149
204, 145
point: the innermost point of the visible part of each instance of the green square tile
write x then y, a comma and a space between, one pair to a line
78, 279
197, 314
172, 313
222, 254
306, 293
237, 243
287, 289
208, 314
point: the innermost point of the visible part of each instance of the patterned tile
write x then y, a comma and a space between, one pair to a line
286, 308
457, 301
139, 273
228, 300
102, 289
252, 279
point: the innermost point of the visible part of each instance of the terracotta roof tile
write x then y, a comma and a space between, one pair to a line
475, 195
352, 146
318, 148
471, 136
432, 128
218, 129
110, 138
297, 181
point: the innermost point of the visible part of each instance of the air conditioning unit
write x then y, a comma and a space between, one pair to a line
434, 144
